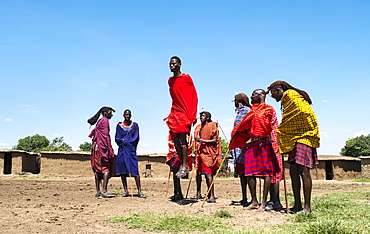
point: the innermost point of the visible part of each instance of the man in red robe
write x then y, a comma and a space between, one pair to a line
208, 153
183, 111
255, 132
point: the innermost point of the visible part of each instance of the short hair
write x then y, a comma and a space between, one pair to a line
207, 115
127, 110
102, 110
243, 98
285, 86
177, 58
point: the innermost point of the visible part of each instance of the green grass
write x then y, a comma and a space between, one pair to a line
336, 213
362, 180
333, 213
223, 214
171, 223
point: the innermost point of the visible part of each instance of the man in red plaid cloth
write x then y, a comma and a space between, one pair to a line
256, 132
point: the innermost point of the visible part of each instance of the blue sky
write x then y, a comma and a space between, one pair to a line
60, 61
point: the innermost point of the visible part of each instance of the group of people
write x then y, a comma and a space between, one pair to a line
258, 143
103, 161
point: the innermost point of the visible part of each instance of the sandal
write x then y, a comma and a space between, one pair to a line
98, 195
125, 194
240, 203
107, 195
141, 195
181, 173
177, 197
211, 200
197, 197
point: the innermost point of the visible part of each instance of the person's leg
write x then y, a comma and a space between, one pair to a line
307, 188
124, 184
266, 188
251, 181
275, 195
209, 179
106, 177
181, 149
198, 180
97, 182
138, 184
184, 152
296, 186
243, 183
176, 185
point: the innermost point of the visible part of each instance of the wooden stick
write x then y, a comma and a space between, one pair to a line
191, 177
214, 178
285, 189
168, 182
132, 195
260, 179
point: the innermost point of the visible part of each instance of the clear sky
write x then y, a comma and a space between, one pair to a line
60, 61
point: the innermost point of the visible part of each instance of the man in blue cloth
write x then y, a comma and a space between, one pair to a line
127, 138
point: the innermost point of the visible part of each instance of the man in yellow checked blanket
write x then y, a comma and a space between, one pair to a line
298, 136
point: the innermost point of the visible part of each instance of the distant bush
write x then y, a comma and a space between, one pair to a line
86, 146
33, 143
358, 146
37, 143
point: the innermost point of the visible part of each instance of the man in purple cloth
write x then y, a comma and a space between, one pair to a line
127, 138
102, 155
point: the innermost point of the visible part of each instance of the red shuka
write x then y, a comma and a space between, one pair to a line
184, 104
256, 123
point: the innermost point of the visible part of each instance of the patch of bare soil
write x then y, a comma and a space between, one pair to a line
59, 205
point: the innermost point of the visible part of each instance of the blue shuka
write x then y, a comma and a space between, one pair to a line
127, 138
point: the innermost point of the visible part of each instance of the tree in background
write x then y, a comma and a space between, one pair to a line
37, 143
86, 146
33, 143
224, 145
358, 146
58, 144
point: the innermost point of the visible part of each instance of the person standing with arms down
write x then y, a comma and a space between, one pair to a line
298, 136
183, 111
241, 102
102, 155
127, 138
208, 151
255, 133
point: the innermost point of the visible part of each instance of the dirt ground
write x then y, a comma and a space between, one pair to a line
68, 205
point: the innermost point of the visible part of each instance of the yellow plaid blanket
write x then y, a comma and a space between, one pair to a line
299, 123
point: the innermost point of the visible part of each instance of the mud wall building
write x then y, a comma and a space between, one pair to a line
77, 163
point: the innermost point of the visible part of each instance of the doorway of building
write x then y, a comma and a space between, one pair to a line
329, 170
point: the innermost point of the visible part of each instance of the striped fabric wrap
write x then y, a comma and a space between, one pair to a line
303, 155
260, 159
299, 123
241, 112
208, 153
275, 146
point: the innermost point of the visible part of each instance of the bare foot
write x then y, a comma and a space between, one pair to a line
251, 206
261, 208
